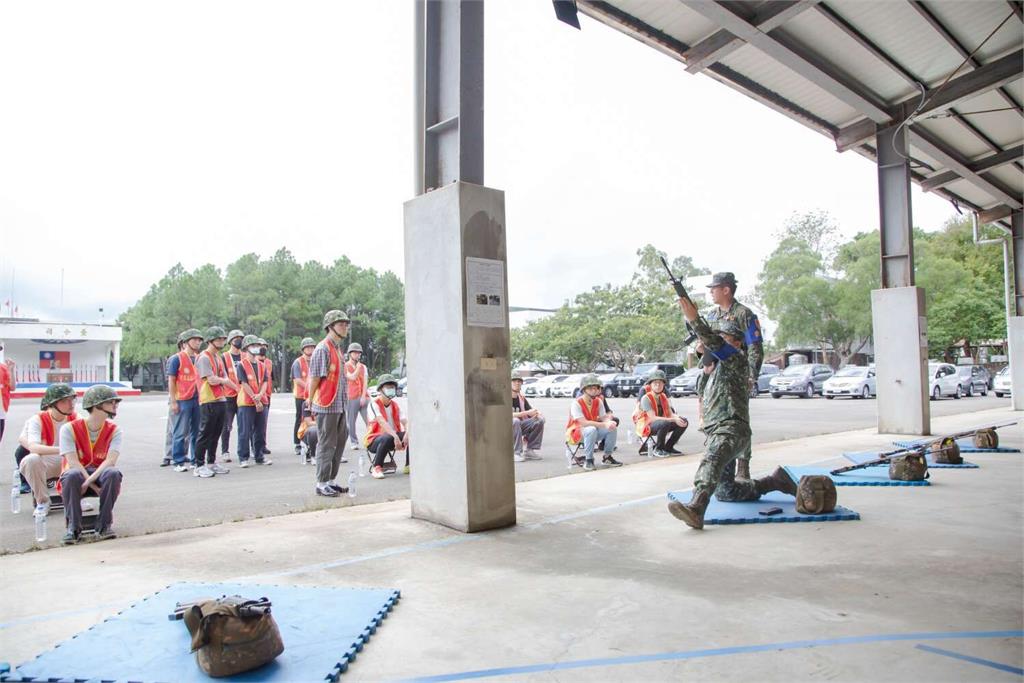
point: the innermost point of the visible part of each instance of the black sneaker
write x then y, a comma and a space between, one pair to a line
338, 489
325, 490
672, 451
105, 535
165, 463
70, 538
610, 461
643, 450
25, 488
266, 451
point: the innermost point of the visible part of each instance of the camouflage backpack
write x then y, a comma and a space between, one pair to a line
946, 452
986, 438
231, 635
909, 467
815, 494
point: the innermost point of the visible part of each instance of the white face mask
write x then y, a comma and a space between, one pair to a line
390, 392
254, 350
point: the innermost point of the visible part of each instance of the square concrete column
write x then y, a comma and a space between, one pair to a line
457, 349
901, 360
1015, 337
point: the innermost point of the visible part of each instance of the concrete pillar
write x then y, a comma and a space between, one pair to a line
1015, 339
1017, 232
901, 360
457, 349
115, 371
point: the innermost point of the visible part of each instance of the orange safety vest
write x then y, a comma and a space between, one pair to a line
48, 428
89, 454
217, 364
298, 390
327, 390
229, 366
376, 429
186, 380
5, 386
254, 377
268, 368
642, 420
574, 428
356, 388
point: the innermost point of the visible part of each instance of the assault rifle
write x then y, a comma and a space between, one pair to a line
681, 292
248, 609
884, 458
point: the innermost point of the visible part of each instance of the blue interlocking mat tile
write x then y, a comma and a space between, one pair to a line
863, 456
748, 513
869, 476
322, 630
966, 446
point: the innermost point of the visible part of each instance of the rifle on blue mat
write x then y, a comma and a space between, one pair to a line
920, 447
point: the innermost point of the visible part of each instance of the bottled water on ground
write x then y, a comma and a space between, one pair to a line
352, 484
16, 492
40, 518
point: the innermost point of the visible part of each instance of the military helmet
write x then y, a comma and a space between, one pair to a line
306, 341
590, 380
335, 316
56, 392
261, 341
516, 378
730, 327
355, 346
99, 394
910, 467
250, 340
386, 379
655, 374
235, 333
191, 333
181, 338
214, 332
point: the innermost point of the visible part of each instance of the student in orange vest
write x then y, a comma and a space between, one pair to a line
232, 357
300, 385
665, 425
590, 424
38, 455
252, 408
183, 397
268, 367
213, 380
388, 431
8, 383
328, 395
90, 447
358, 391
172, 416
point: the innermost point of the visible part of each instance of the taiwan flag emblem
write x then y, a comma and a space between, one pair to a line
54, 359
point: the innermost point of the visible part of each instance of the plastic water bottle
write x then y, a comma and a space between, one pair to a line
629, 436
352, 484
40, 517
362, 465
16, 492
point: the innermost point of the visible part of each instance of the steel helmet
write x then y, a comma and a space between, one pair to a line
355, 346
235, 333
655, 374
56, 392
214, 332
191, 333
386, 379
250, 340
590, 381
261, 341
335, 316
306, 341
99, 394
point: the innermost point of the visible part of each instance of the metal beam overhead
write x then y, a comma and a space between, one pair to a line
720, 44
954, 162
996, 213
981, 165
896, 226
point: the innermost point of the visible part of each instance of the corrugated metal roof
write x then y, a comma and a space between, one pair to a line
843, 63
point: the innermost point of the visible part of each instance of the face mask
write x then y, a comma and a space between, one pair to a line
254, 350
263, 352
389, 392
237, 343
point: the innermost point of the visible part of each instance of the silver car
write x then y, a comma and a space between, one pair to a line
944, 381
1001, 384
685, 384
855, 381
804, 380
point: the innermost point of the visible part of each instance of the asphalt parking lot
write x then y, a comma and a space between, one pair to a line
155, 499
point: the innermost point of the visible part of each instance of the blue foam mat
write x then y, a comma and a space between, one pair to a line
863, 456
747, 513
966, 446
869, 476
322, 630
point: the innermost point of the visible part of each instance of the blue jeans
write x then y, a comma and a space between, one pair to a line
591, 435
252, 429
186, 427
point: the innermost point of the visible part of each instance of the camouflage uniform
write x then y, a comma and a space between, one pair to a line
725, 402
752, 341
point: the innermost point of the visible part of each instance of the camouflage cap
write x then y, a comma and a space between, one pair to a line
386, 379
191, 333
306, 341
355, 346
655, 374
56, 392
334, 316
235, 333
250, 340
98, 394
215, 332
590, 380
723, 278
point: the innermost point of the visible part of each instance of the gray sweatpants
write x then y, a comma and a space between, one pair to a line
330, 448
172, 423
531, 428
109, 483
353, 409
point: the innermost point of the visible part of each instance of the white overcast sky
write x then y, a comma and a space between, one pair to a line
135, 135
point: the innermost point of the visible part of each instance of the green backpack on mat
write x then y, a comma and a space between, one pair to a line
232, 634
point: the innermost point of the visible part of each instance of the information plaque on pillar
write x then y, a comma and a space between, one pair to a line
485, 292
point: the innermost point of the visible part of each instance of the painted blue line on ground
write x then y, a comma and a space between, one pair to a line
714, 652
972, 660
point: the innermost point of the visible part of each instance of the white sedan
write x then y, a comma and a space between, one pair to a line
1001, 384
944, 381
853, 380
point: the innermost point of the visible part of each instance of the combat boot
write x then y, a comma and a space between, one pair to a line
779, 480
693, 512
742, 469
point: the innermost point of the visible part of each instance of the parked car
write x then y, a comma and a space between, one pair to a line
630, 385
855, 381
803, 380
568, 387
1001, 383
403, 386
975, 379
542, 387
944, 381
764, 378
610, 382
686, 383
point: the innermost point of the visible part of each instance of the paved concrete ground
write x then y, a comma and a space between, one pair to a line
599, 582
158, 499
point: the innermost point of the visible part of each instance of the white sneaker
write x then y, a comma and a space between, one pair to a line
355, 446
43, 509
217, 469
532, 454
518, 457
204, 472
183, 467
243, 464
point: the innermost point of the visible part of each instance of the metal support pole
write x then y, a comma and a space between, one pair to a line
1017, 227
895, 227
